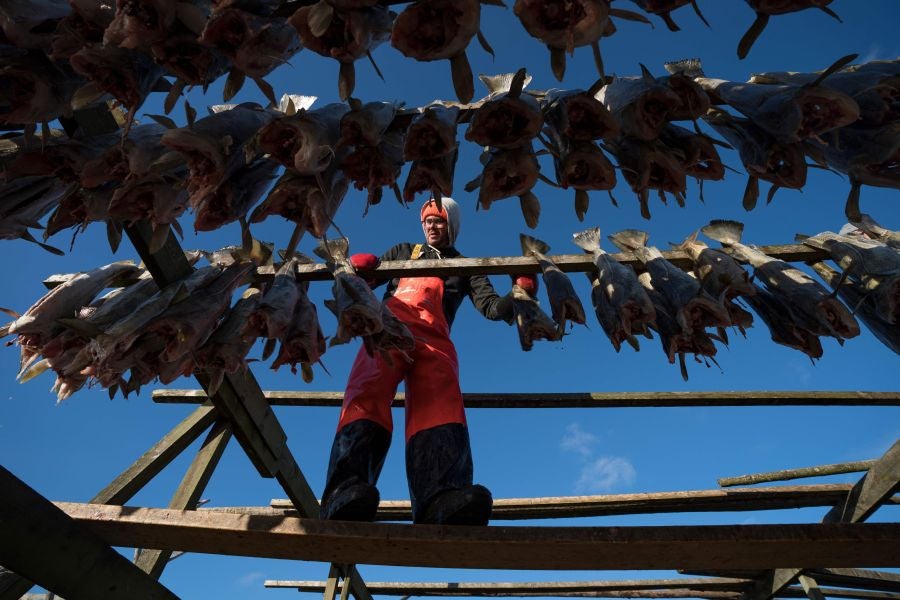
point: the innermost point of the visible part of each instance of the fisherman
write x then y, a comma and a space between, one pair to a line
438, 455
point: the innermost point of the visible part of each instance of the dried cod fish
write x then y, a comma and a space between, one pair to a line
508, 118
662, 8
783, 328
532, 322
767, 8
564, 302
649, 166
509, 173
641, 105
304, 141
431, 133
877, 232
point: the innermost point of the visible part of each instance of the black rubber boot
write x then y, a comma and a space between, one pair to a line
439, 472
357, 456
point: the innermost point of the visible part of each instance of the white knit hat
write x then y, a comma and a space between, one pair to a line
449, 211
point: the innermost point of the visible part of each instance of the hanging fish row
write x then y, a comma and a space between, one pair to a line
70, 53
845, 118
191, 325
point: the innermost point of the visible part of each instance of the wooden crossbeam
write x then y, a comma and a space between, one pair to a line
551, 548
739, 499
585, 399
788, 474
532, 588
505, 265
46, 546
859, 578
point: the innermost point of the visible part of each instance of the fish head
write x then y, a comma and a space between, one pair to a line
824, 109
564, 24
434, 30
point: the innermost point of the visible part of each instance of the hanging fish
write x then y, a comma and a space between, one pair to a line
344, 35
440, 29
578, 115
509, 173
564, 302
783, 328
877, 232
431, 175
532, 323
305, 141
662, 8
508, 118
767, 8
649, 166
431, 133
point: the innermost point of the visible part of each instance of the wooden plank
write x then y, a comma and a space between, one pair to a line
508, 265
584, 399
859, 578
787, 474
548, 588
44, 544
738, 499
797, 592
810, 587
12, 585
880, 481
152, 462
342, 542
188, 493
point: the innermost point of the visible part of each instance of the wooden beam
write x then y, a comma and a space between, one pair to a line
506, 265
859, 578
188, 493
584, 399
342, 542
154, 460
798, 592
239, 398
12, 585
738, 499
787, 474
531, 588
880, 481
44, 544
810, 587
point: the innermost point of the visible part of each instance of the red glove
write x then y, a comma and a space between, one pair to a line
364, 262
529, 283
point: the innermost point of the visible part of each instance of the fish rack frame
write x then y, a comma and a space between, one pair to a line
66, 547
752, 562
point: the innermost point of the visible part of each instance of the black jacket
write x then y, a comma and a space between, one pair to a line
476, 287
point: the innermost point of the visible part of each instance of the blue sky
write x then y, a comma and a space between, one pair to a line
69, 452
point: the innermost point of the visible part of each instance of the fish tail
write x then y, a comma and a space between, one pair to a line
588, 240
532, 245
334, 250
629, 239
689, 67
724, 231
687, 241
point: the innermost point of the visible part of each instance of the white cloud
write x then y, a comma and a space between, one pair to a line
605, 474
251, 579
578, 441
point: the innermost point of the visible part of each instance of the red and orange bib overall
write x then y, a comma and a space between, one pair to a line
433, 395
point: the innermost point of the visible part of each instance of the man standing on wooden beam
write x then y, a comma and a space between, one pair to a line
438, 454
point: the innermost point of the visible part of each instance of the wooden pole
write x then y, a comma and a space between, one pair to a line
834, 469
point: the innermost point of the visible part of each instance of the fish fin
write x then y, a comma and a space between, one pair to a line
375, 65
851, 209
331, 305
346, 80
484, 43
267, 90
173, 95
530, 245
588, 240
33, 371
518, 83
629, 239
504, 82
771, 193
582, 202
306, 372
86, 95
269, 348
751, 193
461, 73
233, 84
531, 208
629, 15
597, 86
830, 13
724, 231
113, 234
633, 342
161, 85
547, 180
557, 62
721, 335
700, 14
752, 34
612, 198
683, 366
670, 23
644, 198
10, 312
689, 67
333, 250
598, 59
319, 18
646, 75
30, 238
834, 68
474, 184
